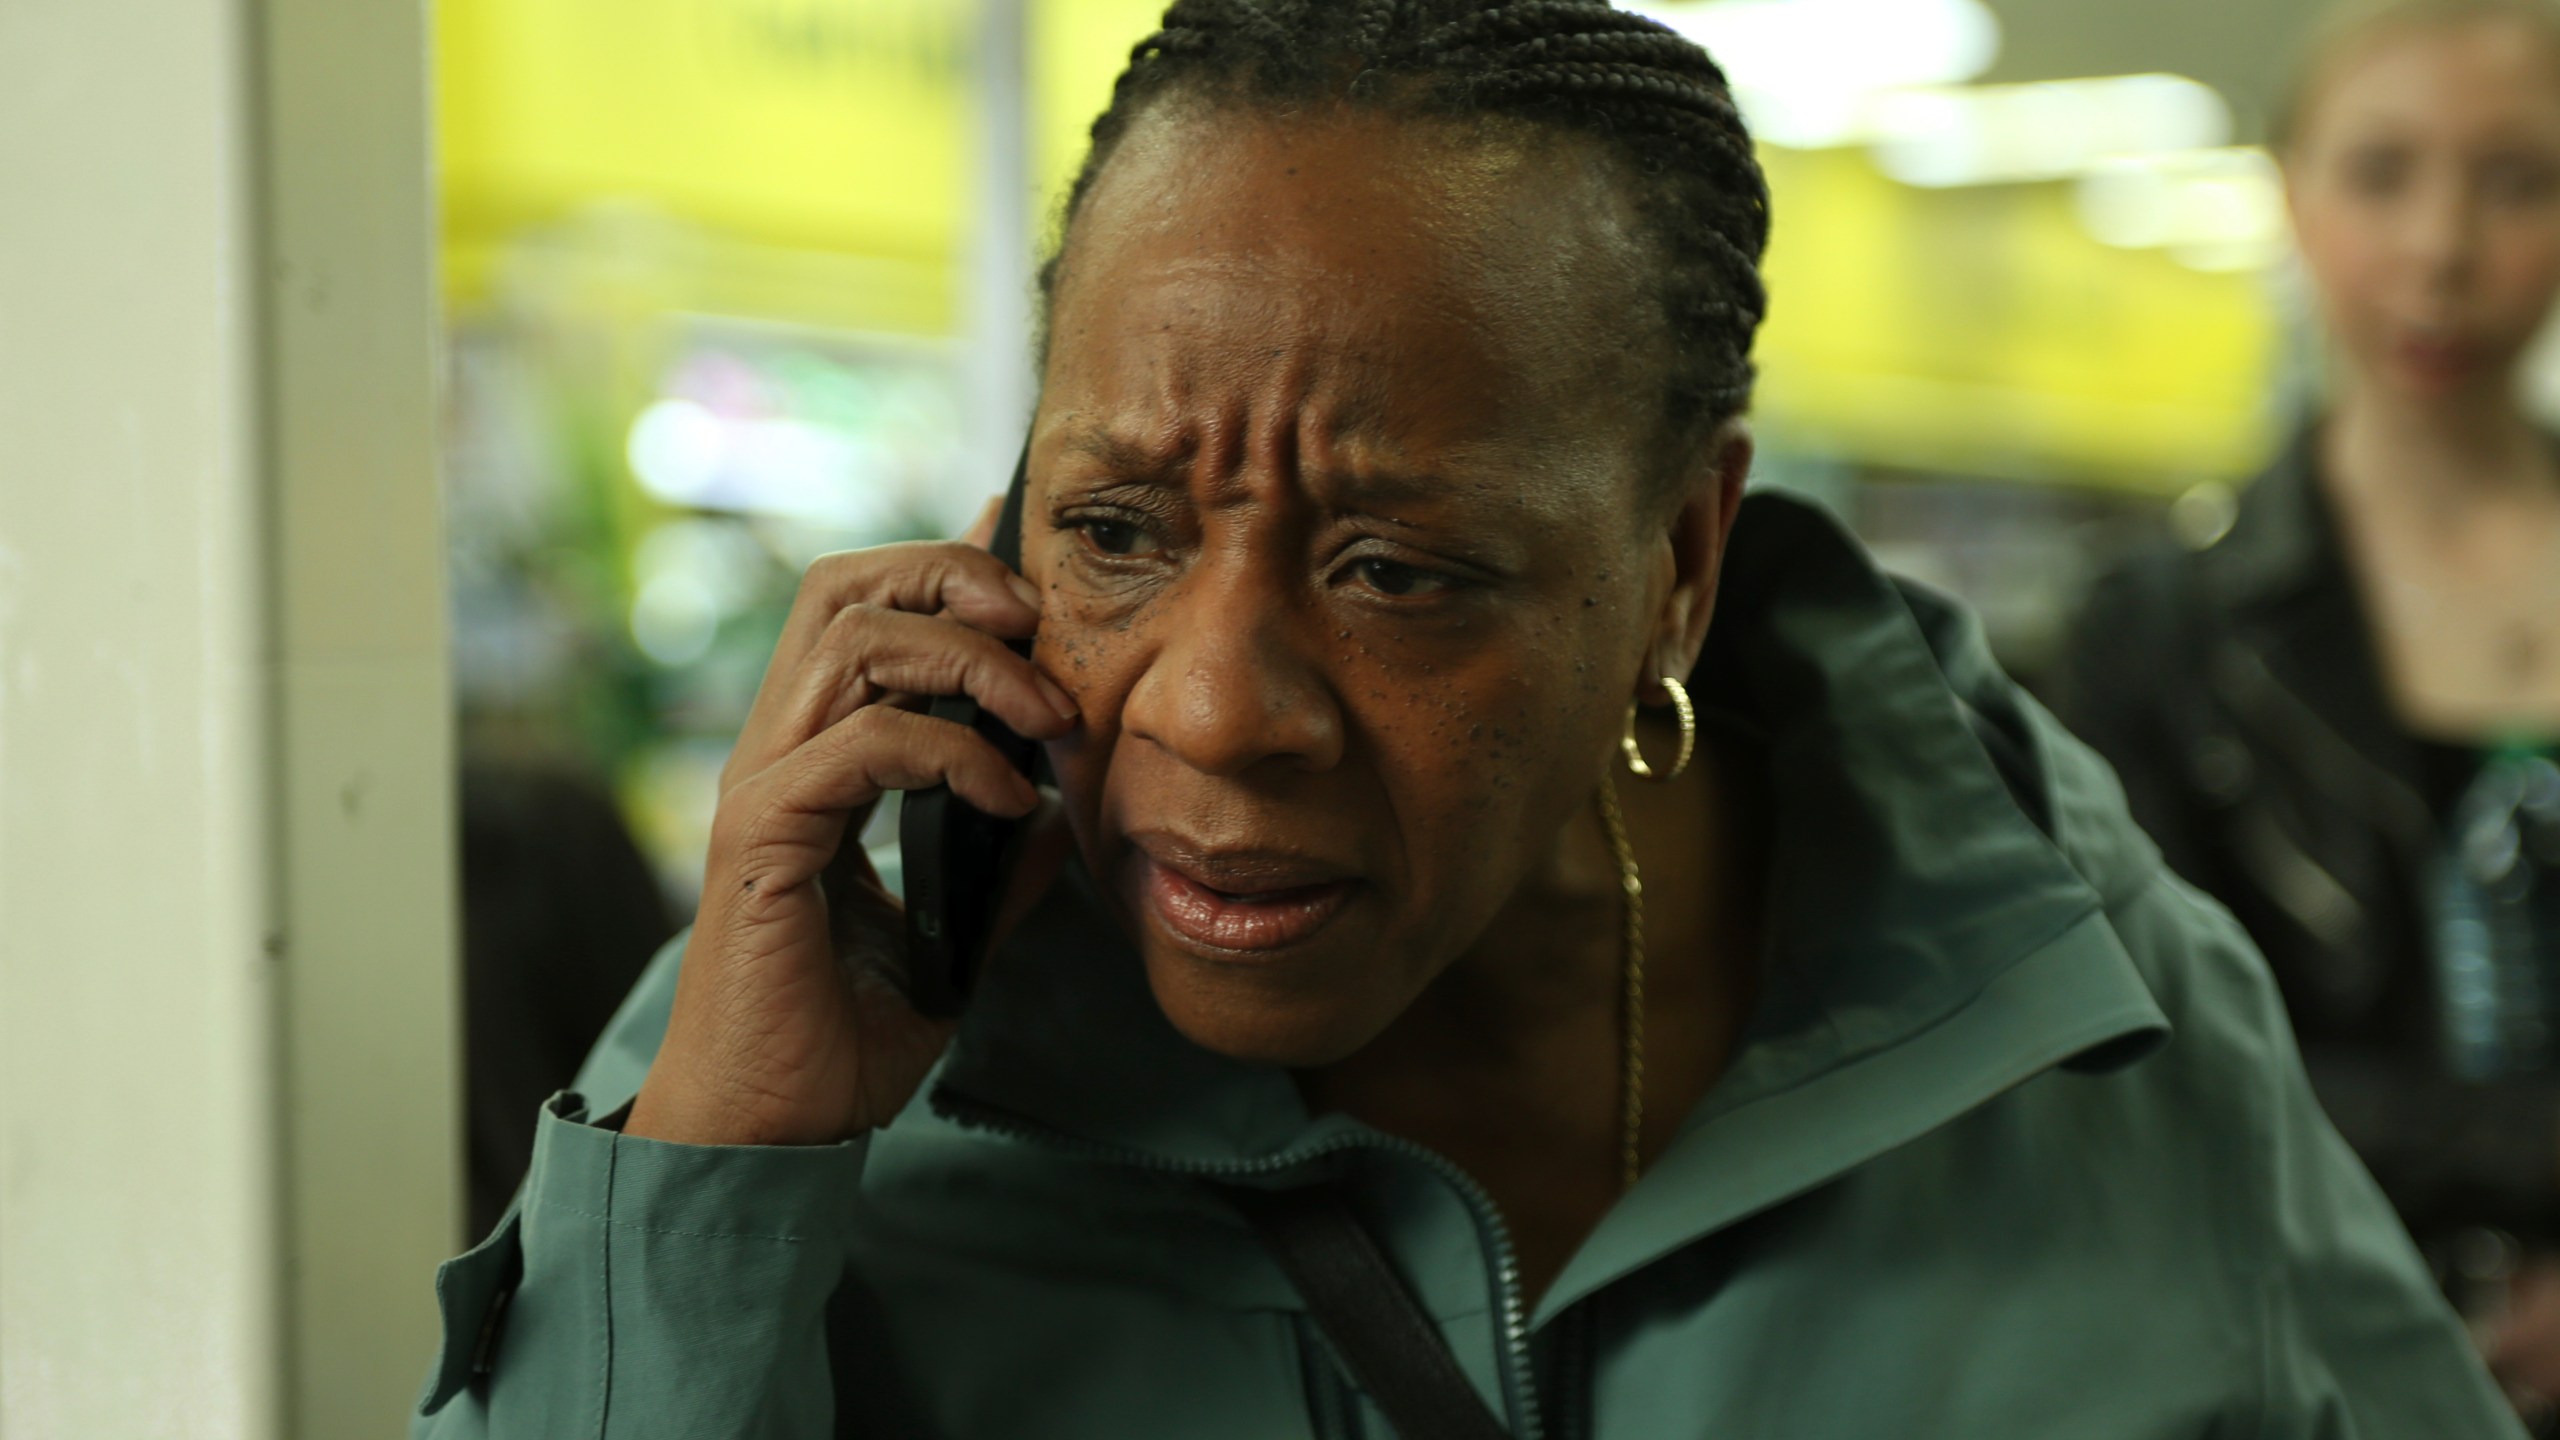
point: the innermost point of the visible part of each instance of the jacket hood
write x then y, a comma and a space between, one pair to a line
1942, 855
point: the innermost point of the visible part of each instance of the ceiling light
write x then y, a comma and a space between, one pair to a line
1802, 69
2220, 209
2000, 134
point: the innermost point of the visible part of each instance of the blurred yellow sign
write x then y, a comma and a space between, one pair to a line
810, 160
1981, 330
821, 127
1078, 48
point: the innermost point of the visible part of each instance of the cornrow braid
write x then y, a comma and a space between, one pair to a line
1653, 101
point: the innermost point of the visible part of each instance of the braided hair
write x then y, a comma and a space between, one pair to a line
1654, 102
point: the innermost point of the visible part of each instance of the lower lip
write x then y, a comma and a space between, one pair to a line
1205, 917
2435, 363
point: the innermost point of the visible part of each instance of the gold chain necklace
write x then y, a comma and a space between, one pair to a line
1631, 1015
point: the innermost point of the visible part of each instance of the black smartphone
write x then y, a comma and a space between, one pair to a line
954, 854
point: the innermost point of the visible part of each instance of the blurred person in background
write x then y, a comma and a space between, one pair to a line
2337, 716
559, 912
1431, 1021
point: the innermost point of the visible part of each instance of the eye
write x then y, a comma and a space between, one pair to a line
2376, 172
1112, 537
2516, 181
1388, 577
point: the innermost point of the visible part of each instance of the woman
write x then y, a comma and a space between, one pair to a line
1863, 1077
2300, 710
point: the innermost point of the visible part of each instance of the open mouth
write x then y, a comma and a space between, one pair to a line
1239, 919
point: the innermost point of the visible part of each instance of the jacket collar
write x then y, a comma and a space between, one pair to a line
2284, 539
1935, 947
1931, 946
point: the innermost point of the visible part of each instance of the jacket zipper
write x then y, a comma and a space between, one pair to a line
1520, 1398
1568, 1393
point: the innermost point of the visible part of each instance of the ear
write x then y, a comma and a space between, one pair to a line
1710, 496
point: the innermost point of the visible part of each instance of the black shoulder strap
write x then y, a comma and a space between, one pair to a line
1394, 1351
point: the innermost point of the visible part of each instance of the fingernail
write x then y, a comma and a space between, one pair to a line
1023, 589
1058, 699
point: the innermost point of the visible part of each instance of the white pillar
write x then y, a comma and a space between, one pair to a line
227, 1124
996, 294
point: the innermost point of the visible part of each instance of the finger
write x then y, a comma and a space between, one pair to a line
982, 531
876, 750
782, 827
926, 577
871, 656
891, 651
967, 585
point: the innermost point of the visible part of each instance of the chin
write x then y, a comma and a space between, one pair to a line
1240, 1016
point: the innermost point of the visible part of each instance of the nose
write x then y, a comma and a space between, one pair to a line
2440, 234
1234, 684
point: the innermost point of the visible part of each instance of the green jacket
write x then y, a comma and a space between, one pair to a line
2017, 1146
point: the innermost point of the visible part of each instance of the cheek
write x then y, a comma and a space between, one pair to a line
1488, 753
2522, 268
1094, 658
1473, 740
2342, 249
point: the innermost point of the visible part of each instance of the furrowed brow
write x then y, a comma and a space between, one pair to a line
1373, 490
1126, 459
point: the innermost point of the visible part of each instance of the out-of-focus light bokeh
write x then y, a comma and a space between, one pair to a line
2066, 280
2053, 130
2211, 208
1807, 73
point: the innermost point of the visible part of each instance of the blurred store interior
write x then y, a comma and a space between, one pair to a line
718, 286
731, 283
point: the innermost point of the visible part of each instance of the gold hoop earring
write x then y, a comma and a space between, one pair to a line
1688, 734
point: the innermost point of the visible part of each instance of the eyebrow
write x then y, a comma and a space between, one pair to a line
1340, 489
1349, 490
1123, 457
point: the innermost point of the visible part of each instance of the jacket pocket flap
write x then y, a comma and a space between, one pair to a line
472, 1291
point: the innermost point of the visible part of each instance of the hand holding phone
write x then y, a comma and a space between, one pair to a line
789, 1026
955, 855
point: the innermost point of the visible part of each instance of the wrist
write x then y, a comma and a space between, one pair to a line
669, 1111
663, 1111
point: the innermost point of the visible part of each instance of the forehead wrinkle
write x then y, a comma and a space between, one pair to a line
1355, 475
1246, 297
1285, 403
1275, 405
1128, 457
1308, 416
1522, 278
1337, 465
